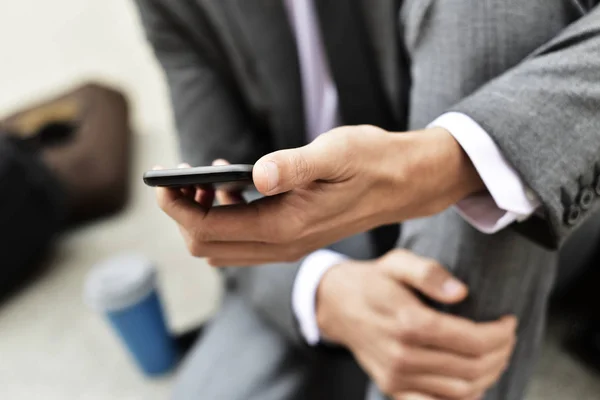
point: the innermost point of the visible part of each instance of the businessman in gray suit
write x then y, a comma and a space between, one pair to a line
515, 76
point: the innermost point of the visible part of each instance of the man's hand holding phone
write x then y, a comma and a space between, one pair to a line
348, 180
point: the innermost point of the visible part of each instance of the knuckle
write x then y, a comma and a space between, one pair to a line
387, 383
348, 143
345, 139
161, 200
371, 129
302, 169
198, 235
430, 322
195, 248
431, 269
392, 255
326, 137
213, 262
410, 322
401, 252
479, 346
433, 274
477, 368
460, 389
399, 361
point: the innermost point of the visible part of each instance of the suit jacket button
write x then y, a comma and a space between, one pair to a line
586, 198
572, 215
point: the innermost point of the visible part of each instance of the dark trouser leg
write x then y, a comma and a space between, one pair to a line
31, 211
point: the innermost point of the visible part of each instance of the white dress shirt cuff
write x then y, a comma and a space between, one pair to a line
508, 199
305, 290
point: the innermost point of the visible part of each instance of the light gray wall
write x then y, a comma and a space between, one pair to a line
46, 46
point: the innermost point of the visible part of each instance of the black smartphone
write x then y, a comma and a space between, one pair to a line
236, 176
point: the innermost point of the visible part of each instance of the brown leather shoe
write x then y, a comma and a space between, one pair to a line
84, 138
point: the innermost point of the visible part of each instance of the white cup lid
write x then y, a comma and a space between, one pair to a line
119, 282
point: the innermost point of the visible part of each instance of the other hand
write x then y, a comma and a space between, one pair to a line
409, 349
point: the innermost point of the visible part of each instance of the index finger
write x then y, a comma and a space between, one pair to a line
179, 207
463, 336
231, 223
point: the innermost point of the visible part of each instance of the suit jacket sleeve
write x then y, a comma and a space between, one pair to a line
211, 115
544, 115
212, 123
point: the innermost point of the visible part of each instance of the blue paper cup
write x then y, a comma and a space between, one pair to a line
124, 289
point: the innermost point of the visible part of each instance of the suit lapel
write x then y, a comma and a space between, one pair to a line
262, 36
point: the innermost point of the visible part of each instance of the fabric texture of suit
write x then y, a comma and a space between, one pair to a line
513, 66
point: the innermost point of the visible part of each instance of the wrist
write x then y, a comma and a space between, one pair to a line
327, 296
437, 172
456, 175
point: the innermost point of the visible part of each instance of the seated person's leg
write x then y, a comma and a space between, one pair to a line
505, 273
32, 210
61, 162
240, 357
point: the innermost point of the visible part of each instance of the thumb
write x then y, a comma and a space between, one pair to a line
424, 275
289, 169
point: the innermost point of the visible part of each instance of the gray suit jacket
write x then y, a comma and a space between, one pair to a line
233, 73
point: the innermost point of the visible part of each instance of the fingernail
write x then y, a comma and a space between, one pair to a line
272, 173
453, 287
219, 162
183, 165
